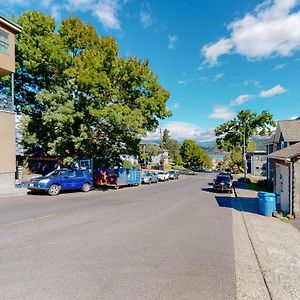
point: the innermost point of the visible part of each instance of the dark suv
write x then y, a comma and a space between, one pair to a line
223, 183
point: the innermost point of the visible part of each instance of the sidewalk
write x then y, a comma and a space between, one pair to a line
13, 192
276, 247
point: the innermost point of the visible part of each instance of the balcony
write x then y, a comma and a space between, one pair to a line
6, 104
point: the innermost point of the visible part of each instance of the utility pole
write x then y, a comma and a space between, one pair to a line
244, 155
161, 151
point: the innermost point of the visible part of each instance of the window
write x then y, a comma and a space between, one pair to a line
4, 42
70, 174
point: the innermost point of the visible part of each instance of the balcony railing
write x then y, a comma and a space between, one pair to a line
6, 104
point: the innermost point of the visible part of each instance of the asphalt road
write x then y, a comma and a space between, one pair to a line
164, 241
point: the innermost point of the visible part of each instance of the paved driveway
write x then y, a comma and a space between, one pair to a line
164, 241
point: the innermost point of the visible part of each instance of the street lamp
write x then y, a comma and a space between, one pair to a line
244, 151
244, 155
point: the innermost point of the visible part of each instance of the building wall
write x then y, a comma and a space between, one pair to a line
296, 189
7, 143
282, 185
7, 149
258, 164
7, 61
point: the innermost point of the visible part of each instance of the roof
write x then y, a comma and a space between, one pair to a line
271, 139
286, 153
290, 130
258, 152
11, 25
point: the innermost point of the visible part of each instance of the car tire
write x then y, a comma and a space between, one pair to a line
54, 190
86, 187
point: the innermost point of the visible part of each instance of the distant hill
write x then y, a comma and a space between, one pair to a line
260, 142
211, 146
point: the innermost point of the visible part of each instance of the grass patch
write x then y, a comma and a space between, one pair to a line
259, 185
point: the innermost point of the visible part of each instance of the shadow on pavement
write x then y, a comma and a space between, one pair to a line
249, 205
208, 190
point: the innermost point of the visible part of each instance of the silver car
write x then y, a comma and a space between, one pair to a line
149, 177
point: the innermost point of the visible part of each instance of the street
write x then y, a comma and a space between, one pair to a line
162, 241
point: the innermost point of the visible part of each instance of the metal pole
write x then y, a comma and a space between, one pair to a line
161, 151
13, 91
244, 155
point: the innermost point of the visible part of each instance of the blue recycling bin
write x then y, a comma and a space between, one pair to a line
267, 203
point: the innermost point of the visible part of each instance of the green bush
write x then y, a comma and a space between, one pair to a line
127, 164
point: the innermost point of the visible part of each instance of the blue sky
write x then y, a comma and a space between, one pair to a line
215, 57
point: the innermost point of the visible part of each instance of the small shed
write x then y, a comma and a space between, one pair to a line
287, 178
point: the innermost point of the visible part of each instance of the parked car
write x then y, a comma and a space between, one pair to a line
223, 183
226, 173
187, 172
149, 177
62, 180
173, 174
163, 175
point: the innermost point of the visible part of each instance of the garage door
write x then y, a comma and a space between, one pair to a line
282, 187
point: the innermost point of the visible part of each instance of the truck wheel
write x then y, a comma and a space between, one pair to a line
54, 190
86, 187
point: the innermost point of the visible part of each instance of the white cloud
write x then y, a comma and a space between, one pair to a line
218, 76
172, 41
56, 12
268, 31
279, 67
83, 5
146, 15
213, 51
181, 81
182, 130
294, 117
200, 68
241, 100
222, 112
175, 105
203, 79
106, 11
276, 90
252, 82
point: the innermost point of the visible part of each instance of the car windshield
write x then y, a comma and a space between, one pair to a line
224, 174
56, 173
171, 172
223, 178
161, 173
147, 174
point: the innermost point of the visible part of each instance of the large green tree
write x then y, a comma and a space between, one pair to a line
194, 156
246, 124
79, 97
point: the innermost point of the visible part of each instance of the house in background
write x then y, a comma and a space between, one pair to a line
163, 154
287, 134
257, 163
8, 30
287, 178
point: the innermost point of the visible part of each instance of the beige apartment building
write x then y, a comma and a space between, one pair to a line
8, 30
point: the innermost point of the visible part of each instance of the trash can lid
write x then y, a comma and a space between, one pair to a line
266, 194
